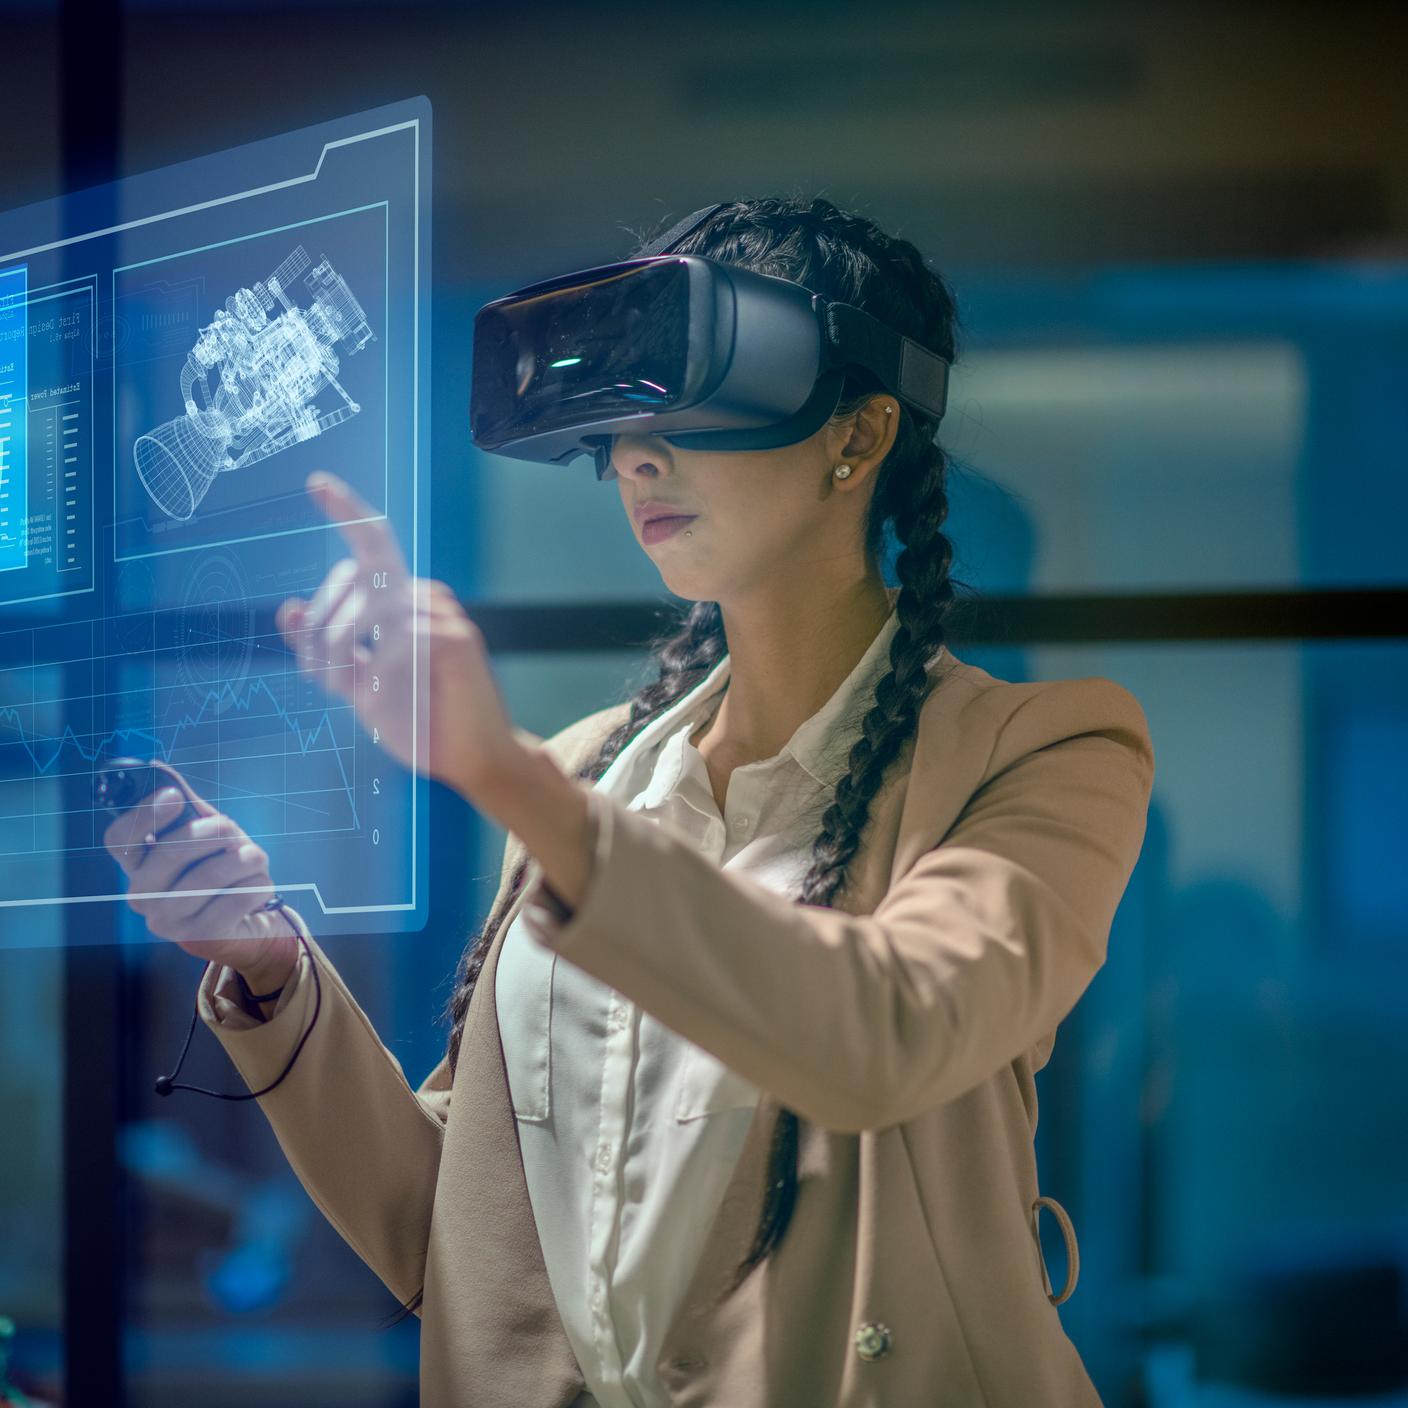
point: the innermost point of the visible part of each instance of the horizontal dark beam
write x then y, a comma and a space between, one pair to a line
1330, 613
1322, 614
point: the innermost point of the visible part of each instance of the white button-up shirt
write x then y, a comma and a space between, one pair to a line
629, 1132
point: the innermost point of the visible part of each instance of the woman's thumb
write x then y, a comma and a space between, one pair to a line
172, 778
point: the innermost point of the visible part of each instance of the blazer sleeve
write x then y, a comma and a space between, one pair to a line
361, 1141
977, 950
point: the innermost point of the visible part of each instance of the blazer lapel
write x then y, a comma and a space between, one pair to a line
518, 1344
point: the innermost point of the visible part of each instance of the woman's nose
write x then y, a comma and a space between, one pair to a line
634, 461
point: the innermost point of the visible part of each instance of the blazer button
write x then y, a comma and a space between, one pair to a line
873, 1341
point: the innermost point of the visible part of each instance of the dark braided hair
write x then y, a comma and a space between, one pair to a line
846, 258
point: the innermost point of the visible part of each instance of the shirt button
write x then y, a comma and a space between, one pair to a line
741, 823
619, 1018
603, 1159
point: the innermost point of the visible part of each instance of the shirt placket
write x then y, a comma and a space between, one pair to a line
617, 1075
606, 1179
742, 814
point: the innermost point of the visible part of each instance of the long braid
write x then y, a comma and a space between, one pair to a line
849, 259
925, 598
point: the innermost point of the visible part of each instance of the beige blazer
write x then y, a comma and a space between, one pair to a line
905, 1026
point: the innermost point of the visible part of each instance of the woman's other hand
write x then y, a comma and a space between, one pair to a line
403, 651
206, 852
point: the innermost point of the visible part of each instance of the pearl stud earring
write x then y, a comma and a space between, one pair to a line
842, 471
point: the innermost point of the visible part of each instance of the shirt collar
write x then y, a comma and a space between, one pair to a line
820, 744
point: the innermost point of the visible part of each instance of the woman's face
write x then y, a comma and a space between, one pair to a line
756, 512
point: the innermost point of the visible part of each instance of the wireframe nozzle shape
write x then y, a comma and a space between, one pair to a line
251, 383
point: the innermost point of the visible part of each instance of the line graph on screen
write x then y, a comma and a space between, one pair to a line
259, 743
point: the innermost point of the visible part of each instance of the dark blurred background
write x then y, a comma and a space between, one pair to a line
1179, 239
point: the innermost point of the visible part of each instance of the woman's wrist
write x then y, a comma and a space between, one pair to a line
549, 812
496, 792
272, 968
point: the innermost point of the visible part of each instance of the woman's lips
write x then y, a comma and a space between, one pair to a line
659, 529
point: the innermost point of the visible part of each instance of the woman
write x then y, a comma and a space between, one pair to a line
823, 893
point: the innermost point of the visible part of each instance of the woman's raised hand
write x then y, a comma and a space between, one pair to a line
206, 852
401, 650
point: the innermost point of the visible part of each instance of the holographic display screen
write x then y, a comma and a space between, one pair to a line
178, 352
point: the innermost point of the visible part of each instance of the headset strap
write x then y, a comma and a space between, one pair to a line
661, 243
918, 375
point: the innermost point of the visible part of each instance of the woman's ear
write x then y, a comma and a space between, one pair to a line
867, 434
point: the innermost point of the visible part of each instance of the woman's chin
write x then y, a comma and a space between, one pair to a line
688, 586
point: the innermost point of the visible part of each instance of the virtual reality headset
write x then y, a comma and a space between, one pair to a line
702, 354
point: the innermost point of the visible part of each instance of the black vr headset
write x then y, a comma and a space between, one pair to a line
704, 355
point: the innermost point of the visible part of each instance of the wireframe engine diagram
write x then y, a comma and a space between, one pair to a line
252, 382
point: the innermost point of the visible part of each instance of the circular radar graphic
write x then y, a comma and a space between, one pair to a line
216, 627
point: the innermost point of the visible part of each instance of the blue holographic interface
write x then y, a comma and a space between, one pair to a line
178, 352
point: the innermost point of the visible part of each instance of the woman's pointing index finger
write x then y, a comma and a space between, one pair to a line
372, 541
